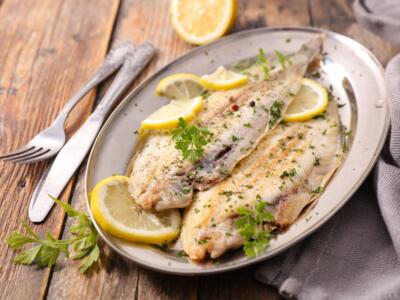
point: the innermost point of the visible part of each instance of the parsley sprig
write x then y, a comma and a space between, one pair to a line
190, 140
249, 224
264, 62
45, 252
282, 59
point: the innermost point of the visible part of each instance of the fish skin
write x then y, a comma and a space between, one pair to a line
212, 214
161, 180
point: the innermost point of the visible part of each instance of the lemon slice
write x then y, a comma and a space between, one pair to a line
223, 79
310, 101
117, 213
168, 115
181, 86
202, 21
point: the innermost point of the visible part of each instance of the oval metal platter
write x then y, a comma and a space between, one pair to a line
358, 85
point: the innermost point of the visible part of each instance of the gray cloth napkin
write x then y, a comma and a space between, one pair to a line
356, 255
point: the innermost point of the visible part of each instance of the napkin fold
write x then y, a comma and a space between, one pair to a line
355, 255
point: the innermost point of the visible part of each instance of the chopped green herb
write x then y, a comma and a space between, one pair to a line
289, 173
275, 112
248, 125
317, 190
316, 74
316, 161
205, 95
190, 140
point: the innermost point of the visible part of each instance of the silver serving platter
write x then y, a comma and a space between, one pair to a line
357, 79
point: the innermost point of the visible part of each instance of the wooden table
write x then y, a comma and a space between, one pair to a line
48, 49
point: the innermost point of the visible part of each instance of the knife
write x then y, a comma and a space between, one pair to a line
74, 151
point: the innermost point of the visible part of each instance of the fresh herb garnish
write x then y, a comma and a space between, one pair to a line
190, 140
275, 112
261, 59
249, 224
317, 190
316, 161
45, 251
316, 74
264, 62
289, 173
282, 59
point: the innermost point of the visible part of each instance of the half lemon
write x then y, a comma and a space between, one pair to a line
117, 213
202, 21
223, 79
310, 101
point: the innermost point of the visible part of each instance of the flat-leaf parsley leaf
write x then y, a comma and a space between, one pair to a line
46, 251
249, 224
190, 140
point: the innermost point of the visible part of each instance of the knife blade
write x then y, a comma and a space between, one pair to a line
75, 150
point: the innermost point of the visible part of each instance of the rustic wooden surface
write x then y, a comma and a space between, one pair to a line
48, 49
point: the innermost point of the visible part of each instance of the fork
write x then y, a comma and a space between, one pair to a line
48, 143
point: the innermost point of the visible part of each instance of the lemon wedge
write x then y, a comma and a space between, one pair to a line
168, 115
202, 21
223, 79
310, 101
181, 86
117, 213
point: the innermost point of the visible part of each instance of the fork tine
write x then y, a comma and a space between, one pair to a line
24, 155
17, 152
32, 159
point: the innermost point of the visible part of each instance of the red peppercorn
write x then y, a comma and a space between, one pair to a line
235, 107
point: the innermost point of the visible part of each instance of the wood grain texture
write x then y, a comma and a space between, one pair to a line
48, 49
337, 15
119, 278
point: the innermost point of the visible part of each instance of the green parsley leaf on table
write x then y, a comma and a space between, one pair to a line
250, 223
45, 251
190, 140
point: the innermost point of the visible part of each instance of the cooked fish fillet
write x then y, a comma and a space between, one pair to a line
161, 180
288, 169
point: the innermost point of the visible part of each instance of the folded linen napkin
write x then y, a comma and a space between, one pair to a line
356, 255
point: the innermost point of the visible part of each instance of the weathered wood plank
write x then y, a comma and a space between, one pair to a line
337, 15
48, 48
139, 21
119, 278
239, 284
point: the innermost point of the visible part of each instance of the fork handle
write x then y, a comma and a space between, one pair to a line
112, 62
132, 66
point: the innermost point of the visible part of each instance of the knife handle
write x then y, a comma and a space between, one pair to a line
75, 150
114, 59
133, 65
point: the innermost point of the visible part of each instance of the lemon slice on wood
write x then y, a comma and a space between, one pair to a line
202, 21
310, 101
118, 214
223, 79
